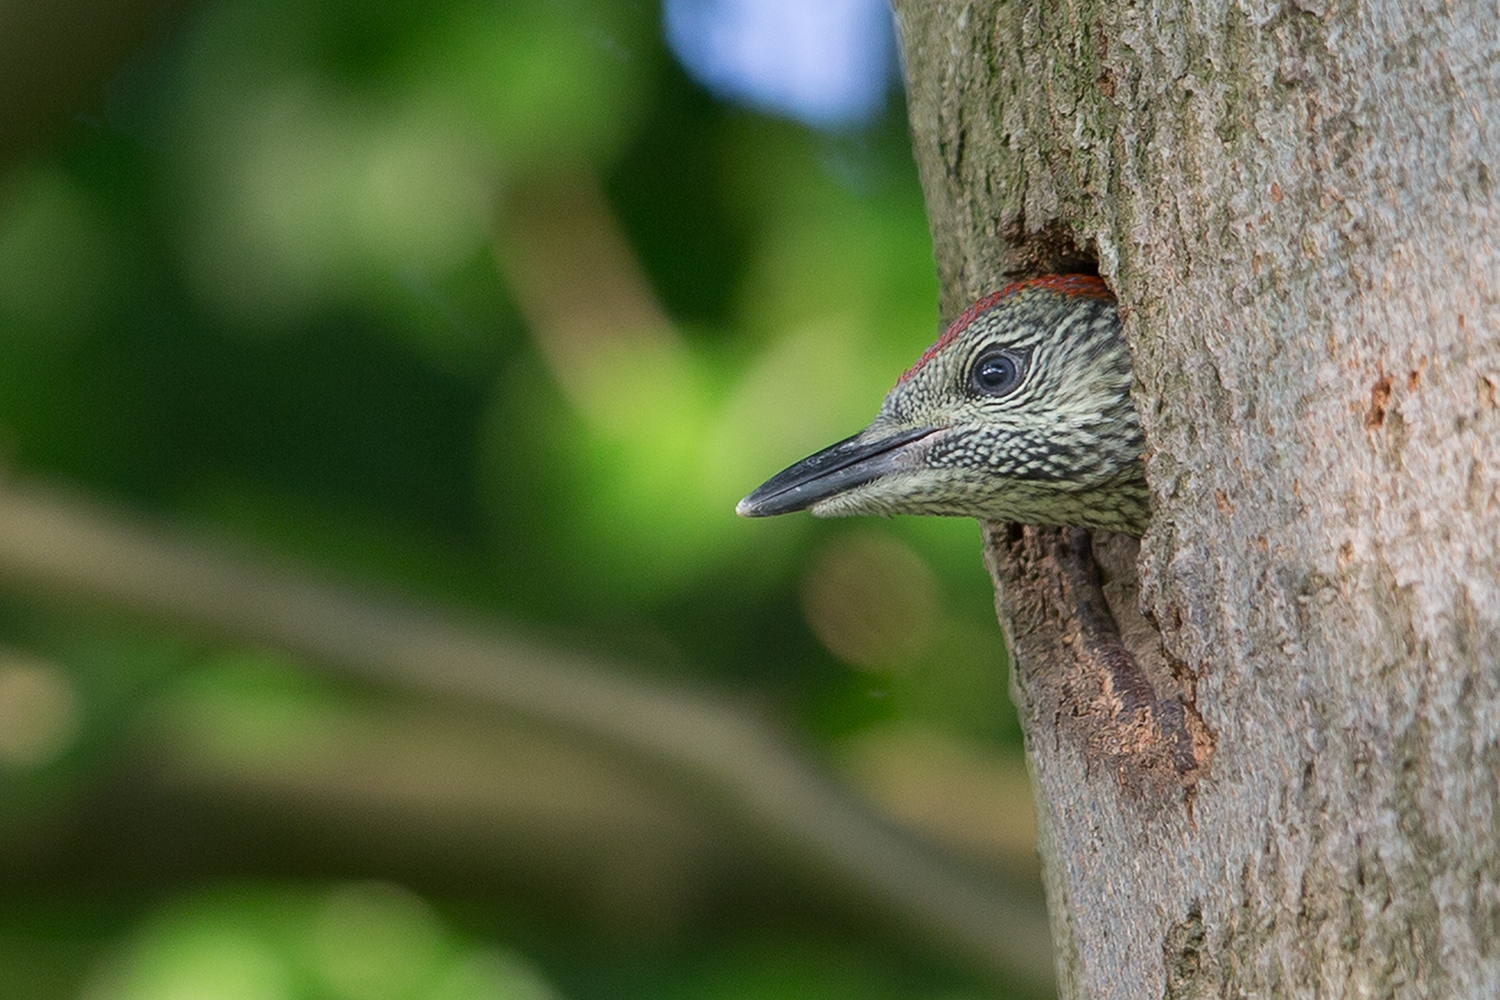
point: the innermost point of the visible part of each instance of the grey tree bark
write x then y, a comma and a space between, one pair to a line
1291, 788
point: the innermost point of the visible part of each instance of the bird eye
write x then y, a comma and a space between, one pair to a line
996, 374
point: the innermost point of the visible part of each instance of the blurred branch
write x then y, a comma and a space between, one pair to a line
572, 269
589, 306
440, 797
733, 763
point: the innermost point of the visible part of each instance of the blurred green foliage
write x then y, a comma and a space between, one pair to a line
357, 941
253, 291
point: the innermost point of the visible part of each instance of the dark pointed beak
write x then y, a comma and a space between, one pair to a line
834, 470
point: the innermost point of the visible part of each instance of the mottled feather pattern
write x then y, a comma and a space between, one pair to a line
1063, 448
1021, 411
1068, 285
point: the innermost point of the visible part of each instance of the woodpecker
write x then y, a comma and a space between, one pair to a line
1020, 412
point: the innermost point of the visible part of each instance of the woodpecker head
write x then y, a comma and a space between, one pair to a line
1020, 412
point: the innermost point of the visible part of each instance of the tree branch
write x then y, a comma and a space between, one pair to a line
78, 552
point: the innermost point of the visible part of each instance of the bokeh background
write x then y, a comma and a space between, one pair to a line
489, 310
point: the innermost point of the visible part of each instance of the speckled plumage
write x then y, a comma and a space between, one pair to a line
1060, 446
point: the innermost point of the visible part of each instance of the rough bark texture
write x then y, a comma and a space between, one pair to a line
1295, 206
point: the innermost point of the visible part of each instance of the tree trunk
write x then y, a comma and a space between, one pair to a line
1291, 789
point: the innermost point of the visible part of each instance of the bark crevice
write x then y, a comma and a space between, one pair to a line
1083, 671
